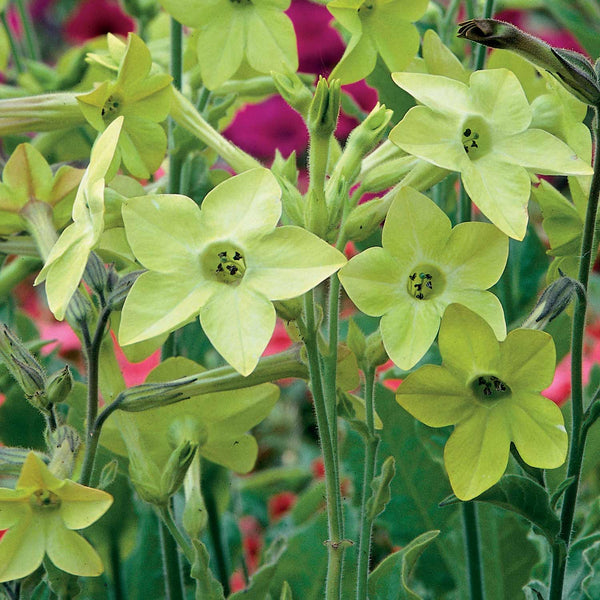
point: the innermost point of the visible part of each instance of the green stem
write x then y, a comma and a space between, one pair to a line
14, 47
170, 560
115, 563
448, 22
366, 523
335, 547
577, 435
481, 50
30, 38
175, 161
166, 517
20, 244
471, 532
92, 351
15, 272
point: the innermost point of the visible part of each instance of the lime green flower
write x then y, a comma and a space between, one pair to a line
490, 392
216, 424
66, 262
40, 515
143, 98
225, 262
483, 131
27, 179
237, 34
381, 27
424, 266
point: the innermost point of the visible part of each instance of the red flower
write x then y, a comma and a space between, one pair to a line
280, 504
94, 18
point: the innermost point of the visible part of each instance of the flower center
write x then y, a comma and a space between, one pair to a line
488, 388
366, 7
44, 500
425, 282
224, 262
475, 137
111, 108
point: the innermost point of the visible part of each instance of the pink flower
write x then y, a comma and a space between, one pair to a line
365, 97
135, 373
280, 504
260, 129
93, 18
280, 340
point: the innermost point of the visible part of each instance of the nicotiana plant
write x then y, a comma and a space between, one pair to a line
324, 375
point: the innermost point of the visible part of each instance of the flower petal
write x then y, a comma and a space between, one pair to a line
442, 94
373, 282
69, 551
408, 330
397, 40
161, 302
242, 206
434, 396
239, 323
475, 255
22, 549
468, 344
484, 304
538, 430
432, 136
476, 454
541, 152
501, 191
528, 359
81, 506
14, 505
415, 228
238, 454
358, 60
35, 474
498, 95
162, 231
288, 262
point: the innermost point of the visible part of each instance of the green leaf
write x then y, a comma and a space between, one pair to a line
523, 496
383, 581
207, 586
381, 489
560, 490
286, 592
583, 568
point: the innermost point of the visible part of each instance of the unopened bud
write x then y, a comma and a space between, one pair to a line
375, 353
95, 274
79, 308
554, 299
324, 108
22, 365
177, 466
571, 68
59, 385
64, 443
108, 474
292, 89
194, 516
356, 340
120, 290
289, 310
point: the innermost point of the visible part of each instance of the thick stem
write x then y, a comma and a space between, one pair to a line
170, 560
335, 547
472, 546
366, 523
38, 217
92, 351
577, 437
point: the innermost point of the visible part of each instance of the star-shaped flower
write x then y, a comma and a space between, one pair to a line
490, 392
66, 262
377, 27
483, 131
424, 266
142, 97
233, 34
28, 179
40, 515
226, 262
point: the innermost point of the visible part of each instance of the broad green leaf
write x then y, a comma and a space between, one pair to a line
207, 585
396, 568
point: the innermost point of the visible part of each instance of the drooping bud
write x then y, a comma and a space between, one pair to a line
571, 68
59, 385
554, 299
23, 366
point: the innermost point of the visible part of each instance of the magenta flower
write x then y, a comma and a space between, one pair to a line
94, 18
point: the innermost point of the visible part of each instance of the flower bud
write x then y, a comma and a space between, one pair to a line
356, 340
375, 353
64, 443
571, 68
95, 274
324, 108
292, 89
289, 310
108, 474
554, 299
194, 515
120, 290
59, 385
22, 365
177, 466
79, 308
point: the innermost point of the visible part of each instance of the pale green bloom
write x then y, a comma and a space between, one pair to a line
490, 392
377, 27
424, 266
66, 262
226, 262
40, 515
483, 131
